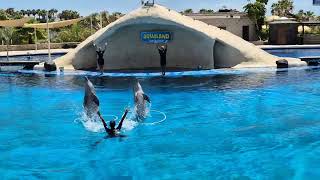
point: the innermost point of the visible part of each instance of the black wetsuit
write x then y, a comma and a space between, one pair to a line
114, 132
163, 56
100, 57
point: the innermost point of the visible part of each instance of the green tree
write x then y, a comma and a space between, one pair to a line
33, 12
7, 34
68, 14
42, 14
23, 12
38, 11
52, 14
28, 12
206, 11
305, 16
75, 33
282, 8
257, 12
3, 15
188, 11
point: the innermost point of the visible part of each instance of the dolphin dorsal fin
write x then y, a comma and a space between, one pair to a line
146, 97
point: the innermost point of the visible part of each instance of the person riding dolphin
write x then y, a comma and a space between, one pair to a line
91, 105
140, 99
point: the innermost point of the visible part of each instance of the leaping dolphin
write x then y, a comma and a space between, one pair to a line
140, 100
91, 106
90, 102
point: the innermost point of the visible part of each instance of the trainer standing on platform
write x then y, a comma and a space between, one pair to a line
163, 57
100, 59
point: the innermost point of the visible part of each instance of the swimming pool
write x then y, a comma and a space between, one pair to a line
294, 52
35, 57
227, 126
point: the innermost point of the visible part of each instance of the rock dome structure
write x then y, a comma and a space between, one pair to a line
192, 44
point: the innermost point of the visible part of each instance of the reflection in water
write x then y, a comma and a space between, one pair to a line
215, 82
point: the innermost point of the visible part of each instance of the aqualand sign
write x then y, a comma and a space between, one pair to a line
155, 37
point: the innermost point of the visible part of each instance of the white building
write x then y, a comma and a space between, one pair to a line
237, 23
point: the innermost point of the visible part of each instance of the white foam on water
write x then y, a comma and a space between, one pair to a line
93, 124
129, 124
176, 74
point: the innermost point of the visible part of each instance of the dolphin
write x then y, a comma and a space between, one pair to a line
90, 102
140, 100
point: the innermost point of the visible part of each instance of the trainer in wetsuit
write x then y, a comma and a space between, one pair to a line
100, 58
163, 58
112, 131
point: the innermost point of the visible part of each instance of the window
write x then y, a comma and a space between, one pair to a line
222, 27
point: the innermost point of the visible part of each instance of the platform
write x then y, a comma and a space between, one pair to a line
311, 60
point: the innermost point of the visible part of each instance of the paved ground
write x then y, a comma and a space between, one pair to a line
42, 51
289, 46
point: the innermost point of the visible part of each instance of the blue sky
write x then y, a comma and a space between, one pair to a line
86, 7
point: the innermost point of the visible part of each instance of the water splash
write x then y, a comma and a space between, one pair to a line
94, 124
134, 116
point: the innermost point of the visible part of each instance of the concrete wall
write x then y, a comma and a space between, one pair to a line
135, 54
311, 39
233, 25
187, 49
283, 34
226, 56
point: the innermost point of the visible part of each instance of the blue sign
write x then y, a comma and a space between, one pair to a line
155, 37
316, 2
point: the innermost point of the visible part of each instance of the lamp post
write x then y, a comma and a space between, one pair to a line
101, 20
48, 30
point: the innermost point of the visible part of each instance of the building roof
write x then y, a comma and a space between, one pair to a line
310, 23
53, 24
218, 14
14, 23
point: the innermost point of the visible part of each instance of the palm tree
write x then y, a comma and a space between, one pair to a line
42, 14
256, 12
23, 12
39, 13
310, 15
282, 8
34, 13
52, 13
6, 35
28, 12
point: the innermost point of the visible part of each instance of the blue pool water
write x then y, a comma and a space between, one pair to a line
295, 52
262, 125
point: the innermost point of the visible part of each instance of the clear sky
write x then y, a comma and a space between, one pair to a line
86, 7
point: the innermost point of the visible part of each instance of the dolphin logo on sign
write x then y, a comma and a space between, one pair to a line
155, 37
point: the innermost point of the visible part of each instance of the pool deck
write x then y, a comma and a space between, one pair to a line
289, 46
34, 52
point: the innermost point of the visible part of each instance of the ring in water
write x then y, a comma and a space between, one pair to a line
157, 122
113, 116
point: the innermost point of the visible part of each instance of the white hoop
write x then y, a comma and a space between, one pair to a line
158, 122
